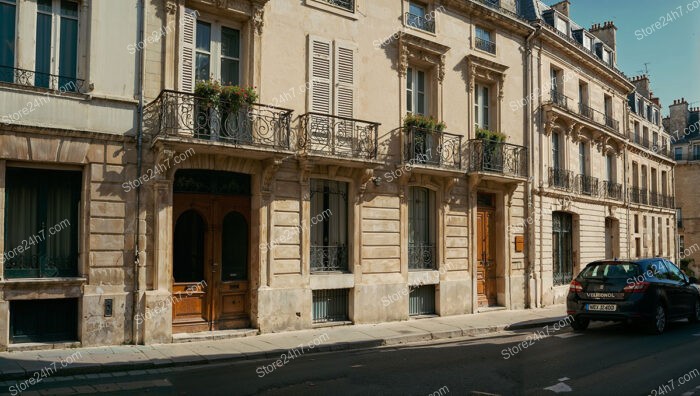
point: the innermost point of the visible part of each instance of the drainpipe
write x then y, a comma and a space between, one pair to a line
530, 142
139, 151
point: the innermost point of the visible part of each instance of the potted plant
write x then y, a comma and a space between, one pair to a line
231, 100
422, 129
206, 100
215, 104
491, 142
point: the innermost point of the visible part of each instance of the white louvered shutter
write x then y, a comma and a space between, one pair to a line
320, 75
188, 26
344, 100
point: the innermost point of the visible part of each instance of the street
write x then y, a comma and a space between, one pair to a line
606, 360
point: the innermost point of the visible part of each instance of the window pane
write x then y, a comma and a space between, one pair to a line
44, 5
68, 52
203, 36
202, 67
417, 10
69, 8
230, 42
234, 248
7, 42
421, 82
43, 49
229, 72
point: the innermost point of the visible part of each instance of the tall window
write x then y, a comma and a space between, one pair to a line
484, 40
217, 53
482, 113
608, 106
636, 132
417, 17
556, 155
41, 215
562, 243
655, 139
696, 152
8, 17
678, 153
640, 106
56, 43
610, 168
329, 225
582, 158
416, 101
421, 228
553, 79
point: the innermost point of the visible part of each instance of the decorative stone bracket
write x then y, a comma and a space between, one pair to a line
416, 49
486, 70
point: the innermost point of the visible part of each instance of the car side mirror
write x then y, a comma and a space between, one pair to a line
693, 280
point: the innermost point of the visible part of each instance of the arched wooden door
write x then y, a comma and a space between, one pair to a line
211, 262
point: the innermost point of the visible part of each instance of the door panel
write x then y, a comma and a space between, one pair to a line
486, 266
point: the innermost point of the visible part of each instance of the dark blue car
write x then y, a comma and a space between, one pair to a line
647, 291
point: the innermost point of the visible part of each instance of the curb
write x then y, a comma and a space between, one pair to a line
200, 360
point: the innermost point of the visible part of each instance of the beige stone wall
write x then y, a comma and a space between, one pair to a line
687, 198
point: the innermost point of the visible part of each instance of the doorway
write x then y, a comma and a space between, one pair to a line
612, 237
486, 286
211, 261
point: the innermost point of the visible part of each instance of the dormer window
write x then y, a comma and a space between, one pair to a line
562, 25
587, 42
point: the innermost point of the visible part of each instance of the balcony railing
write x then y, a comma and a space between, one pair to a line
329, 258
611, 122
559, 99
639, 195
485, 45
52, 82
428, 147
420, 22
587, 185
654, 199
612, 190
560, 178
585, 111
495, 157
337, 136
180, 114
667, 202
421, 256
345, 4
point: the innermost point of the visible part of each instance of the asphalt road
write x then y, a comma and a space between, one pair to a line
605, 360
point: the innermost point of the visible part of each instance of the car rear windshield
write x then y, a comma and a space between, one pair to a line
610, 270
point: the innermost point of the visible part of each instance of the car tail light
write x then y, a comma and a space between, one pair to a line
637, 287
575, 287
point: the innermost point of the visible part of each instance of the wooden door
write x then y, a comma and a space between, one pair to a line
210, 262
486, 267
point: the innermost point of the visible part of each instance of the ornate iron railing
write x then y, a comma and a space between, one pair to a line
611, 122
559, 99
585, 111
52, 82
587, 185
40, 266
654, 199
428, 147
485, 45
326, 134
421, 256
186, 115
329, 258
496, 157
420, 22
560, 178
562, 278
639, 195
345, 4
612, 190
668, 202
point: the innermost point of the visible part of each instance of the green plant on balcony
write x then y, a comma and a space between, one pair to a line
214, 106
233, 97
427, 124
491, 136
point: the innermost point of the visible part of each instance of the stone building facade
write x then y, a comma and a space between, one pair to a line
683, 123
320, 203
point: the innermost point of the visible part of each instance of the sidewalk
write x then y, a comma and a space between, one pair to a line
90, 361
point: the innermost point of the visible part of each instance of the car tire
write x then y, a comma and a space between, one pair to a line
660, 321
580, 324
695, 315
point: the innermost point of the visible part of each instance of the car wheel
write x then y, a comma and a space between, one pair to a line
658, 324
580, 324
695, 316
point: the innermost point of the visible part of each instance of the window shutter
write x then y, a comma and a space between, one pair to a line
320, 75
188, 24
345, 54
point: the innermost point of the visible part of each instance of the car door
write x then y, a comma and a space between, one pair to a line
667, 286
686, 296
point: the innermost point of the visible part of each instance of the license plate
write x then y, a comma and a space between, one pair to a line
601, 307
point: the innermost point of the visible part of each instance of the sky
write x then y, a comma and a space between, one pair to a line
671, 51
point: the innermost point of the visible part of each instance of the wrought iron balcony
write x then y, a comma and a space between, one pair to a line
52, 82
560, 178
668, 202
421, 256
587, 185
655, 199
336, 136
179, 114
429, 147
611, 123
495, 157
585, 111
559, 99
420, 22
639, 195
348, 5
485, 45
329, 258
612, 190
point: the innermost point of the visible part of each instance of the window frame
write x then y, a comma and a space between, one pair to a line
429, 239
215, 52
413, 92
55, 47
341, 190
482, 106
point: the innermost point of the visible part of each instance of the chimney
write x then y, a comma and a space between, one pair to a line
641, 85
605, 33
679, 115
562, 7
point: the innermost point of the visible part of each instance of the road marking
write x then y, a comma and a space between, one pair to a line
568, 335
558, 388
563, 379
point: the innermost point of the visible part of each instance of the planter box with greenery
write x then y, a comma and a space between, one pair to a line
217, 109
424, 137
